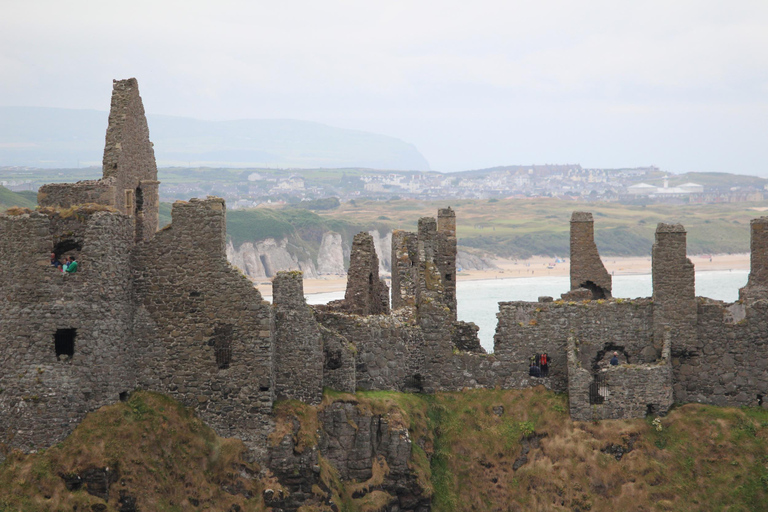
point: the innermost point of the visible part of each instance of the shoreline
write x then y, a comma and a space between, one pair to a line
540, 267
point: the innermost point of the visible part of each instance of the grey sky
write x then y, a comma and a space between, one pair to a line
679, 84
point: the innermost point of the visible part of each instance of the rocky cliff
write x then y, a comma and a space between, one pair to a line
263, 259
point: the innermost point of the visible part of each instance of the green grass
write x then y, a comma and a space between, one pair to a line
21, 199
165, 457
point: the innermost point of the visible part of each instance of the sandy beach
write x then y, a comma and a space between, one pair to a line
542, 266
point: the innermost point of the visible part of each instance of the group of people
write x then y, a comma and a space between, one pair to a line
69, 266
539, 365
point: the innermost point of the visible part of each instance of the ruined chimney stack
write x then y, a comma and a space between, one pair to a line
757, 285
674, 292
587, 269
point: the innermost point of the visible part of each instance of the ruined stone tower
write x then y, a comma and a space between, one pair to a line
129, 183
587, 269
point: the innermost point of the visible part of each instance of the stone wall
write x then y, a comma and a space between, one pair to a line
757, 285
587, 269
727, 365
388, 348
338, 362
622, 391
298, 346
445, 256
674, 293
205, 330
66, 338
528, 328
66, 195
366, 294
404, 268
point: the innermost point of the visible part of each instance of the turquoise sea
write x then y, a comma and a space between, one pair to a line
478, 301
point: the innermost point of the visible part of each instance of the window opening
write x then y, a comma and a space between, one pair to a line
222, 346
64, 343
65, 246
598, 390
139, 200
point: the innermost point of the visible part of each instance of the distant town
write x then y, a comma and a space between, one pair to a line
249, 188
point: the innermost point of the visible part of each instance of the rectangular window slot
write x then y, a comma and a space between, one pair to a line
64, 343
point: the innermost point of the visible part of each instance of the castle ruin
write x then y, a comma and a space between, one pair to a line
165, 311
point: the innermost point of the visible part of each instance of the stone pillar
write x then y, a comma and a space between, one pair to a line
587, 269
757, 285
298, 346
674, 293
366, 294
404, 268
445, 256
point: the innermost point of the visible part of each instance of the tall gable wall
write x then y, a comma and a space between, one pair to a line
206, 334
298, 348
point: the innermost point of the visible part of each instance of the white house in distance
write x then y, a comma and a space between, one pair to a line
644, 189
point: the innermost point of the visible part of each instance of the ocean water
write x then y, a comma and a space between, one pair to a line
478, 301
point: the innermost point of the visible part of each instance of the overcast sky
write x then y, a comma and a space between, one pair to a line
679, 84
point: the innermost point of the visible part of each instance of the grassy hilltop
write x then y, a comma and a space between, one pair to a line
476, 450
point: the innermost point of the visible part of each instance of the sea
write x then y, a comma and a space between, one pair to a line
478, 301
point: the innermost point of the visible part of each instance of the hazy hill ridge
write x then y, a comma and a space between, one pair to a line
56, 137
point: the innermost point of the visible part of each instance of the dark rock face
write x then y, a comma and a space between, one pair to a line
370, 449
95, 481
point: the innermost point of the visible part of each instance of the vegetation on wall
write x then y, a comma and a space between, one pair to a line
471, 450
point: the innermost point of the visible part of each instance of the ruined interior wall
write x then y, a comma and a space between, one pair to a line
727, 366
404, 268
674, 293
389, 349
44, 396
586, 265
338, 361
197, 303
298, 346
366, 294
631, 390
528, 328
757, 285
66, 195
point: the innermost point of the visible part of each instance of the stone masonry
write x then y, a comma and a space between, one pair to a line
298, 343
674, 294
130, 173
757, 285
165, 311
587, 269
366, 294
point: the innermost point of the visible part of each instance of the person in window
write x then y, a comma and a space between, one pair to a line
55, 263
615, 359
71, 266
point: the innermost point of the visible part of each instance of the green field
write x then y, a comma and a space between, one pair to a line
525, 227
